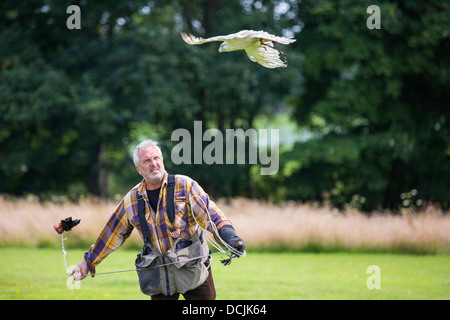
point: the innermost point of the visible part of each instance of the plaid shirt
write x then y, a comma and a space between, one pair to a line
125, 218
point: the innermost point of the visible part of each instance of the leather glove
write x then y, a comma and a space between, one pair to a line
228, 234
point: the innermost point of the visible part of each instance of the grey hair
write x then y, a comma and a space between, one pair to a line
144, 145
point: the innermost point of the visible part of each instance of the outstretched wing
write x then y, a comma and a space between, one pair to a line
249, 34
190, 39
265, 36
265, 54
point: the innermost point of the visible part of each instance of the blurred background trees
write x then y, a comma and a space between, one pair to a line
363, 114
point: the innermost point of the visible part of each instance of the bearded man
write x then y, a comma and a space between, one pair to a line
165, 236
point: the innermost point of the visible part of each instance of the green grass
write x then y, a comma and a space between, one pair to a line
28, 273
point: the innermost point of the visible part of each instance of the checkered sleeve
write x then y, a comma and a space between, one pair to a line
204, 208
116, 230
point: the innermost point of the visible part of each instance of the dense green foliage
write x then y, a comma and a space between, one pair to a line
377, 101
73, 103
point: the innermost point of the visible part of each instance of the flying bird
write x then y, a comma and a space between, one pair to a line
257, 44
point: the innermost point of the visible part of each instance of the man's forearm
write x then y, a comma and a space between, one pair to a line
224, 223
229, 235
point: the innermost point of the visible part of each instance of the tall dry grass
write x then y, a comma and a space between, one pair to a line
264, 226
27, 222
301, 227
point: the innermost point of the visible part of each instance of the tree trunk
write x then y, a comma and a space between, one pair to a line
98, 177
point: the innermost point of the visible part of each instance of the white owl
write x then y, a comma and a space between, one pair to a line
257, 44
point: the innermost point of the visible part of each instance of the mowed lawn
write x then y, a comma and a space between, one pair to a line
28, 273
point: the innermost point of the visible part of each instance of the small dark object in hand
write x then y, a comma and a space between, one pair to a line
66, 225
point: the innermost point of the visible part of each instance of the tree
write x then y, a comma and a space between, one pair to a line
376, 103
78, 99
74, 90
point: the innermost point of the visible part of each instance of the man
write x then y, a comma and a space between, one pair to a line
188, 197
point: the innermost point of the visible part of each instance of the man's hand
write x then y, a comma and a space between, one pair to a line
80, 271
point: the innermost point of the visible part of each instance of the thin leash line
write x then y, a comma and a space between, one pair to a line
64, 253
160, 265
232, 251
130, 270
154, 267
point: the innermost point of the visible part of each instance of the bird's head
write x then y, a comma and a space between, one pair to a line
224, 47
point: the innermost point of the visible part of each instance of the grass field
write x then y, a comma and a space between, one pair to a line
28, 273
296, 251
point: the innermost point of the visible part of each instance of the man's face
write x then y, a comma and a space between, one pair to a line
151, 165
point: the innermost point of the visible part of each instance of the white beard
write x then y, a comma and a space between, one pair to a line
155, 177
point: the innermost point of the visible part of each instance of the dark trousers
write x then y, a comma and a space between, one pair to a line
206, 291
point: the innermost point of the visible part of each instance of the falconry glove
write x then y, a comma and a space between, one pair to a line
228, 234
